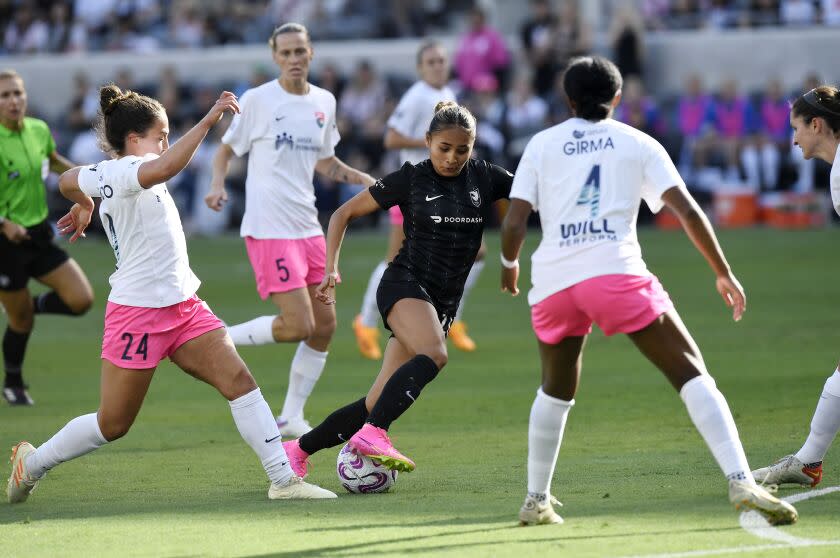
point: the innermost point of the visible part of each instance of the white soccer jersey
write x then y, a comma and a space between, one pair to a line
144, 229
286, 135
835, 182
413, 114
587, 180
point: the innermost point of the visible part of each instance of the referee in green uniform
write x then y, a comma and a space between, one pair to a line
27, 155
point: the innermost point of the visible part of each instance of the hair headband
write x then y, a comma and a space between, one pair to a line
813, 99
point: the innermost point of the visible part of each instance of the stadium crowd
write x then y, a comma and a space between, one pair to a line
723, 136
33, 26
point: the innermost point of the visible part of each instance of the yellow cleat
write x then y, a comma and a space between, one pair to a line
458, 334
368, 339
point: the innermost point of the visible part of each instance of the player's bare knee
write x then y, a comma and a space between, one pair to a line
324, 329
80, 303
294, 328
240, 384
115, 428
21, 322
438, 355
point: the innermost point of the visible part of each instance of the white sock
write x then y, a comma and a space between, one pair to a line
545, 432
78, 437
370, 310
824, 424
255, 332
472, 279
256, 424
711, 416
307, 367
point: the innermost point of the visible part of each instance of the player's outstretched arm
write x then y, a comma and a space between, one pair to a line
700, 231
514, 228
217, 196
359, 205
78, 218
395, 140
59, 163
174, 159
336, 169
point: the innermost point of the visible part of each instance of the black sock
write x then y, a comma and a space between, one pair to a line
51, 303
402, 390
336, 428
14, 347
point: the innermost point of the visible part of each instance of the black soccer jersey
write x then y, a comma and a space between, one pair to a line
444, 219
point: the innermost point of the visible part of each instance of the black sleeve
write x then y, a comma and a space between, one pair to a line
393, 189
500, 180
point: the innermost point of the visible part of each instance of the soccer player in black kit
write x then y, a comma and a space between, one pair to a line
445, 201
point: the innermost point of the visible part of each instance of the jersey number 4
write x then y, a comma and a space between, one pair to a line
590, 194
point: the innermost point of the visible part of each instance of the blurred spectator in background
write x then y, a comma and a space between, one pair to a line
638, 110
683, 14
655, 13
693, 118
26, 33
489, 141
627, 40
761, 156
330, 78
520, 114
362, 111
720, 14
763, 13
558, 107
830, 12
574, 37
83, 106
731, 117
538, 34
797, 12
481, 51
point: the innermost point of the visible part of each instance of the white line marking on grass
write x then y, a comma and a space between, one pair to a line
734, 550
755, 524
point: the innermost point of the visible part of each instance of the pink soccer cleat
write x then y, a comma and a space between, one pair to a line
374, 443
298, 459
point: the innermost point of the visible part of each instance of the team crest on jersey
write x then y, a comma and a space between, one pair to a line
475, 197
320, 119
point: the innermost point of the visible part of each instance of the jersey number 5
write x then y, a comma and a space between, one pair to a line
590, 194
282, 270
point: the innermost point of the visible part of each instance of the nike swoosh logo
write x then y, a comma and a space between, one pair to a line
341, 437
433, 198
408, 393
272, 439
279, 118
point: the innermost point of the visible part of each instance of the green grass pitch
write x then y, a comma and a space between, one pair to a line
635, 477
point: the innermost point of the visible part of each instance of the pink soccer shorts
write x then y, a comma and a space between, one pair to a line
396, 215
617, 303
137, 337
283, 265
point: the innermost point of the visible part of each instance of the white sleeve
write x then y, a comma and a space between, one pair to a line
526, 178
89, 180
121, 176
835, 190
240, 133
659, 174
404, 118
331, 137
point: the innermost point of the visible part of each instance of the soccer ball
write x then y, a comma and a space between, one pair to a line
360, 474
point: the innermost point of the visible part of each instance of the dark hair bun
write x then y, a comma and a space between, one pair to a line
444, 104
108, 97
